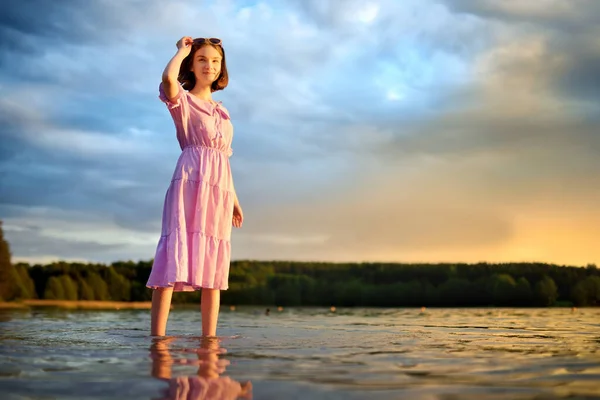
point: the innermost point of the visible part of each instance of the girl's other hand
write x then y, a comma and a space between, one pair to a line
238, 215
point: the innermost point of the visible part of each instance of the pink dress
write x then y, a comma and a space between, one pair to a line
195, 245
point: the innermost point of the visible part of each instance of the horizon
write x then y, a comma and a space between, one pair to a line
424, 263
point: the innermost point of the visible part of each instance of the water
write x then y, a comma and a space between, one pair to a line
303, 354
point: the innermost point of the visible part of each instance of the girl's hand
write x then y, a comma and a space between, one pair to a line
238, 215
184, 45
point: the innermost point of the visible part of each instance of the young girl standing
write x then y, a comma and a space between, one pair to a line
201, 205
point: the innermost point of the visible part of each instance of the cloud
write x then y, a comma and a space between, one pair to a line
466, 177
558, 13
570, 29
51, 233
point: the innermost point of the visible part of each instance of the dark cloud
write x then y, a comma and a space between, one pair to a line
327, 14
38, 174
569, 29
30, 25
567, 16
30, 241
77, 45
581, 77
130, 194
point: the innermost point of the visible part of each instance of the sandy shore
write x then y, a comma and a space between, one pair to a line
82, 304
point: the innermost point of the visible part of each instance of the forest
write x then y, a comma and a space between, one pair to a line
283, 283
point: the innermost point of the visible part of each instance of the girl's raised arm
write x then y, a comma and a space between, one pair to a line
169, 75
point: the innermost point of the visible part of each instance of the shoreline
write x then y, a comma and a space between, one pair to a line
79, 304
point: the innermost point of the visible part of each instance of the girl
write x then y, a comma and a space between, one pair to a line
201, 205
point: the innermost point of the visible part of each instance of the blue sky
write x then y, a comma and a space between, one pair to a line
417, 130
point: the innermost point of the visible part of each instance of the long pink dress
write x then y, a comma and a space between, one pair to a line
195, 245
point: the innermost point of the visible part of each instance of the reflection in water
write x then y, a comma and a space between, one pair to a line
207, 383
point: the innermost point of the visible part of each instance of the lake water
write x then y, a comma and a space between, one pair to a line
303, 354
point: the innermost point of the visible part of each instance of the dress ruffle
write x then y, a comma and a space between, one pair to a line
202, 257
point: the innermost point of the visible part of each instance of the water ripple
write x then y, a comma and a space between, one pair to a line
349, 354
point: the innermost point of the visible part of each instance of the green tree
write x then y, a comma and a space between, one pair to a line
139, 292
593, 290
23, 287
503, 289
69, 287
54, 289
23, 270
99, 287
523, 294
456, 292
587, 292
546, 291
85, 291
119, 288
348, 294
288, 293
7, 273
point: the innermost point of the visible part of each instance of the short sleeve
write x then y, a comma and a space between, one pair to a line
176, 102
178, 108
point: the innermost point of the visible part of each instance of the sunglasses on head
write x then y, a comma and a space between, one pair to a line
213, 40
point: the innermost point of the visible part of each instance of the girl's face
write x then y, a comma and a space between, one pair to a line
206, 65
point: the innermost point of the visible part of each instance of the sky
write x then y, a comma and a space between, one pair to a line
364, 131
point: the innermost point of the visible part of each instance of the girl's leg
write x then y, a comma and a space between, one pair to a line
209, 304
161, 304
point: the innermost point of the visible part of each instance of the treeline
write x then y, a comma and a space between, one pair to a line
327, 284
396, 285
319, 284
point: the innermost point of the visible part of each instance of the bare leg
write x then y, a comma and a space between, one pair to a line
209, 305
161, 305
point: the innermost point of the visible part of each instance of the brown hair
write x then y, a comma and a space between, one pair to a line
187, 77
